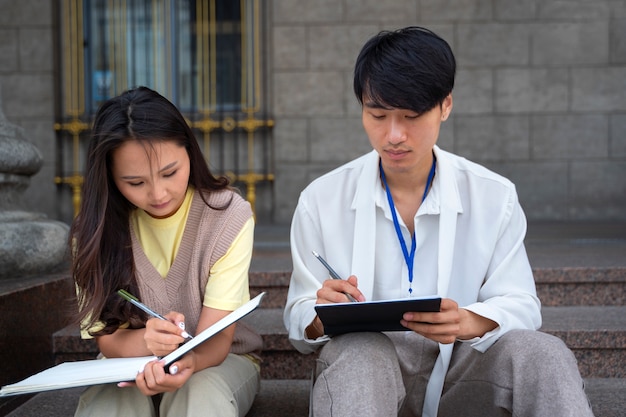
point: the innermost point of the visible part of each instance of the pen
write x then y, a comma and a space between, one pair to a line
333, 274
135, 301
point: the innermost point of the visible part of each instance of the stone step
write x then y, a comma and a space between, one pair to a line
596, 335
290, 398
564, 286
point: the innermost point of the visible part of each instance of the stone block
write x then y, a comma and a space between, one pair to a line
36, 50
9, 58
308, 93
617, 138
26, 13
542, 187
337, 47
527, 90
353, 107
574, 9
617, 41
493, 138
291, 140
563, 44
291, 179
598, 89
493, 44
307, 11
570, 136
27, 95
386, 12
337, 140
473, 91
289, 47
456, 10
598, 190
446, 135
514, 9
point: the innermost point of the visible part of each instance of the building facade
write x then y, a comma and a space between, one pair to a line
540, 96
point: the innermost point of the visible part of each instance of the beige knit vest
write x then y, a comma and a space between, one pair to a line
207, 236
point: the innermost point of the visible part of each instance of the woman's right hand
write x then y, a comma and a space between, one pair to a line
164, 336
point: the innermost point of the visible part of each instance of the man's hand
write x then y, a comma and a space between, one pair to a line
449, 324
335, 290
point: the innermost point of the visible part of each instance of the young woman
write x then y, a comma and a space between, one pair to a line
155, 222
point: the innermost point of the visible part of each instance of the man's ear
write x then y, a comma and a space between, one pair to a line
446, 107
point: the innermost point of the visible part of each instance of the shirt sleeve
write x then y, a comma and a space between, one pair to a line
228, 284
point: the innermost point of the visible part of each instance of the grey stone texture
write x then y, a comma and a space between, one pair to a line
539, 95
29, 243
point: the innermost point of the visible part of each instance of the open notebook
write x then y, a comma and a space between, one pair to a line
103, 371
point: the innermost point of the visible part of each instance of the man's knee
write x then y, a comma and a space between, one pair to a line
534, 348
360, 346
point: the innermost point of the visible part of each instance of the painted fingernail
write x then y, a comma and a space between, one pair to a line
174, 370
181, 325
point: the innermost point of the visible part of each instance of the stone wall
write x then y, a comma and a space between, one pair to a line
27, 84
540, 94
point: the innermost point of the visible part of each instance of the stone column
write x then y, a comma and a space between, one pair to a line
30, 243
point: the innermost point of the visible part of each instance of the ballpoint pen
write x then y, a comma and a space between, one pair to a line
135, 301
333, 274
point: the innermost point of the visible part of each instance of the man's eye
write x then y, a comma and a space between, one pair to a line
378, 116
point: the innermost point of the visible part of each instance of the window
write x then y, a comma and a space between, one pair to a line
203, 55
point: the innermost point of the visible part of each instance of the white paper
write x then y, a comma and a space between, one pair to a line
104, 371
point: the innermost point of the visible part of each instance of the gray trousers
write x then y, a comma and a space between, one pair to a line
525, 373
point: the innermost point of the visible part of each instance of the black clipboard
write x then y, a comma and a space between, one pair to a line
372, 316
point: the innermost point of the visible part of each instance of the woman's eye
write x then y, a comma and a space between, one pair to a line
378, 116
170, 174
135, 184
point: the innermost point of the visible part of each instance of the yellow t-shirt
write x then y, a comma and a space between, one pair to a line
228, 287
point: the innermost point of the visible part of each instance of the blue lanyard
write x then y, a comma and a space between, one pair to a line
408, 257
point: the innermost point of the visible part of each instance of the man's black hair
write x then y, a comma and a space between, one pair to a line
410, 68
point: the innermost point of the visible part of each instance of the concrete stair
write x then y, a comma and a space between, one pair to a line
581, 280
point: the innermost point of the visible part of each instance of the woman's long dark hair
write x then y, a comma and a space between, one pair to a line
100, 234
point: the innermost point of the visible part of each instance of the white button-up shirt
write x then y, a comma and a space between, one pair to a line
469, 231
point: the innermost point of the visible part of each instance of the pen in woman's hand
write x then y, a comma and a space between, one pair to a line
135, 301
332, 273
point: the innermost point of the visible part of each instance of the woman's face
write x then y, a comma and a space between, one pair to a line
154, 177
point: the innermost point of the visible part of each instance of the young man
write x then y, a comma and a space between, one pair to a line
409, 219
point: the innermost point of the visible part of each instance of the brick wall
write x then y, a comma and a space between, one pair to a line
540, 94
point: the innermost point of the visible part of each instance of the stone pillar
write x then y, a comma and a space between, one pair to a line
29, 242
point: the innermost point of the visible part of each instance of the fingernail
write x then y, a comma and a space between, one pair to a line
181, 325
173, 370
185, 335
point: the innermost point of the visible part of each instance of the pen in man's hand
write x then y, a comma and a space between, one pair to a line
332, 273
135, 301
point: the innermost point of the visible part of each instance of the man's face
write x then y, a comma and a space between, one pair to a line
403, 139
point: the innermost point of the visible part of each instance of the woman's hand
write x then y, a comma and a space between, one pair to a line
164, 336
449, 324
154, 380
